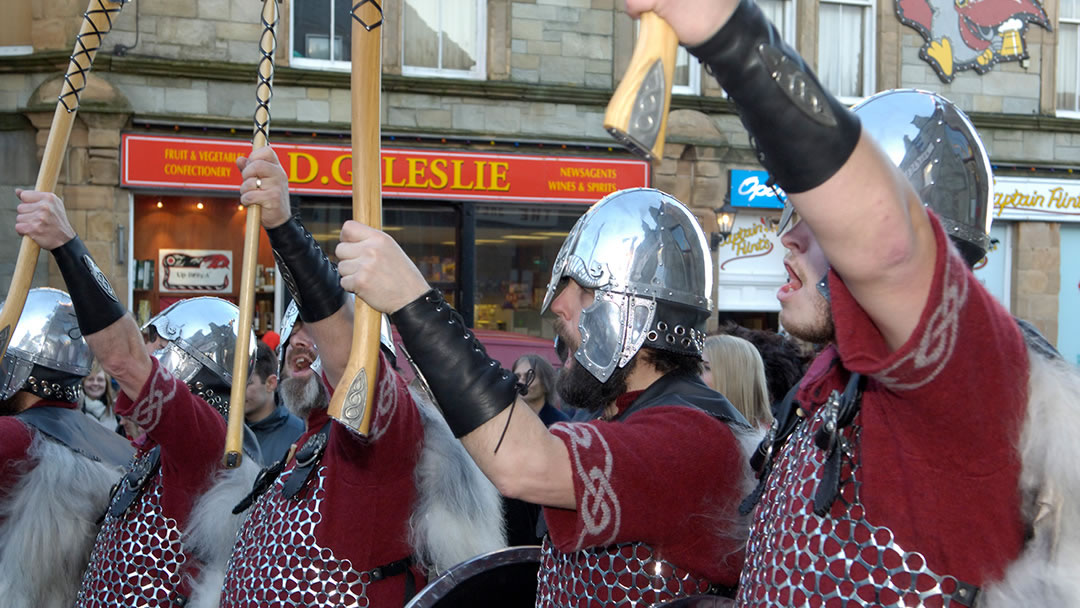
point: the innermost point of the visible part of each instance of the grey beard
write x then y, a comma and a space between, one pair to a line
303, 396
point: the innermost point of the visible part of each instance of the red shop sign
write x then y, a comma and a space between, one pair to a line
151, 161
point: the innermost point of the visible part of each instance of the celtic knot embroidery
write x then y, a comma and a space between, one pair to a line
599, 509
162, 389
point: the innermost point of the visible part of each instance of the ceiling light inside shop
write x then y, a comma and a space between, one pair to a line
199, 206
160, 204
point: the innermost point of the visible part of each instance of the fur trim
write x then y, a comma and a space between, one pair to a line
50, 523
731, 526
1045, 573
458, 512
212, 528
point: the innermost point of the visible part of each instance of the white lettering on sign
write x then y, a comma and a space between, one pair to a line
751, 188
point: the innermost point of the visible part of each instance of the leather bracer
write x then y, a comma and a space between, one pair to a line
469, 386
801, 133
92, 296
310, 276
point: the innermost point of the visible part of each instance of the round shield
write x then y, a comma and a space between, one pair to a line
505, 578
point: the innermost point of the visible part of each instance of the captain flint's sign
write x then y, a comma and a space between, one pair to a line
210, 164
1040, 200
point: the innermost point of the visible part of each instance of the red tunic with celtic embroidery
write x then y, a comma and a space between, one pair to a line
190, 432
934, 445
666, 476
360, 499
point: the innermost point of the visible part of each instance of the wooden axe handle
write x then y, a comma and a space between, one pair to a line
353, 397
234, 437
97, 22
637, 113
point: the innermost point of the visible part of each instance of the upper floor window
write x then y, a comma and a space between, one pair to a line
1068, 66
846, 48
312, 43
444, 38
687, 80
782, 15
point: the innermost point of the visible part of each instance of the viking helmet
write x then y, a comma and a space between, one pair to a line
935, 145
201, 334
47, 355
646, 257
292, 315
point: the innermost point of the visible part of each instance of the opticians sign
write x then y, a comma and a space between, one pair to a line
151, 161
1041, 200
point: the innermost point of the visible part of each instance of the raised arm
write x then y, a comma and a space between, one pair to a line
110, 332
308, 273
863, 212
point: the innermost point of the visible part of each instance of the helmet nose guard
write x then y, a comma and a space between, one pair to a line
646, 257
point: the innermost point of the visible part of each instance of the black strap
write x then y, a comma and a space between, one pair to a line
839, 414
263, 482
134, 483
787, 416
307, 459
471, 391
92, 296
79, 433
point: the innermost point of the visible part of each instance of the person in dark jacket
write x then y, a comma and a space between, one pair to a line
273, 425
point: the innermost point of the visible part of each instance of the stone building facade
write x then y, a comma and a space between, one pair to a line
548, 69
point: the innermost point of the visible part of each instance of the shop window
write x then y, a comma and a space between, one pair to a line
516, 247
846, 48
688, 69
1068, 59
444, 38
321, 34
428, 233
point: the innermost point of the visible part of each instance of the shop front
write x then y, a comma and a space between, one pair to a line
483, 227
1046, 262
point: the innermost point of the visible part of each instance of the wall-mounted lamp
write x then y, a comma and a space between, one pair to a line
725, 221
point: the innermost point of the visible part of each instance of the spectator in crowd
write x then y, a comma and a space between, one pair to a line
98, 397
273, 425
541, 389
733, 367
785, 358
522, 517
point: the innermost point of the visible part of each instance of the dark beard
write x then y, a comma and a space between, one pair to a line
578, 388
821, 332
303, 396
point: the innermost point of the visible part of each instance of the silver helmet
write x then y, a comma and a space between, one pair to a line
292, 315
646, 257
201, 334
47, 355
935, 145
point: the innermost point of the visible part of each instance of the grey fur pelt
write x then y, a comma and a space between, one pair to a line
211, 530
458, 512
1048, 571
50, 523
731, 526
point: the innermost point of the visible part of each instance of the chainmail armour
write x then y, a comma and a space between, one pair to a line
277, 561
626, 575
138, 558
796, 558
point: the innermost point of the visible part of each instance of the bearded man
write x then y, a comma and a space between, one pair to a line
915, 411
373, 515
630, 290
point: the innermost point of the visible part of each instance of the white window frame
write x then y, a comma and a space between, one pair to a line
478, 71
13, 50
1063, 113
869, 69
693, 70
319, 64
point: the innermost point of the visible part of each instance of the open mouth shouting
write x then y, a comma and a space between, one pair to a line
794, 283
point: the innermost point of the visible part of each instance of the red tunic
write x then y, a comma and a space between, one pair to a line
667, 476
15, 439
368, 490
190, 432
939, 424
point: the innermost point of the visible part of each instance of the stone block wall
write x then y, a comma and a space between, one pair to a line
1037, 275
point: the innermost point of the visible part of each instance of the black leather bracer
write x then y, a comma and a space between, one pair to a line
310, 276
801, 133
469, 385
92, 296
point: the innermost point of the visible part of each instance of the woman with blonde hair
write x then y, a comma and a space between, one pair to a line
734, 368
98, 397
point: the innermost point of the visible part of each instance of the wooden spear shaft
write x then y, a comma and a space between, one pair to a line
351, 403
234, 438
97, 22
